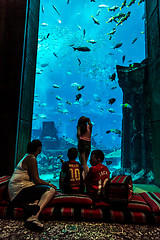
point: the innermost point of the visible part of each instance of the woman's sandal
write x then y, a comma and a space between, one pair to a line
31, 209
34, 224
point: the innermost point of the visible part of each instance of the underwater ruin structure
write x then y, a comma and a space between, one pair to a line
136, 138
18, 44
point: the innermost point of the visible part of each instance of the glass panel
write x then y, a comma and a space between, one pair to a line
79, 45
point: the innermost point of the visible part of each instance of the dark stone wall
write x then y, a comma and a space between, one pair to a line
17, 67
153, 55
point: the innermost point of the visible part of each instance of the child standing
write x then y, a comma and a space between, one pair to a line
97, 176
84, 131
71, 180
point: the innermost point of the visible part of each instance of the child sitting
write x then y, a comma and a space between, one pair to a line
97, 176
71, 180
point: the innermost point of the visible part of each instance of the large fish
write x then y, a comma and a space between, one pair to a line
82, 49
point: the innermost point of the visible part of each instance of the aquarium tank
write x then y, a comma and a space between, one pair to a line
80, 43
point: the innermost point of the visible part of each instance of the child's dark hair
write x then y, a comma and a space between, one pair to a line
72, 153
33, 145
98, 154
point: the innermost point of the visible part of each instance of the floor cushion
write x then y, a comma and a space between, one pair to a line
71, 200
119, 190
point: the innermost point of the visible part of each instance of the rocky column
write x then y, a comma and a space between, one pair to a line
136, 150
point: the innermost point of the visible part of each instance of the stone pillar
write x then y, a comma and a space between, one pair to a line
153, 72
18, 40
136, 147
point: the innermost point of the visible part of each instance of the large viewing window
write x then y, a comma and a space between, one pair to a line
79, 45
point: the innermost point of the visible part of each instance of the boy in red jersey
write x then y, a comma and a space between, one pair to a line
97, 176
71, 180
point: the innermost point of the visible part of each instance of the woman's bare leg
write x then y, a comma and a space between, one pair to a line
45, 198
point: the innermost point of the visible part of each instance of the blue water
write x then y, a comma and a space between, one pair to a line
58, 64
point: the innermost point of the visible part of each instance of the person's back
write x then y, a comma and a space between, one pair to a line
97, 176
71, 176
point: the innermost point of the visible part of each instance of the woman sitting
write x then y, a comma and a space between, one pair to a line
25, 186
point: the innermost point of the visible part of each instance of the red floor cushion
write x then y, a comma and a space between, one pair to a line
71, 200
119, 190
4, 188
153, 200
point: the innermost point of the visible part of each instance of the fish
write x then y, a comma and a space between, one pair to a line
103, 6
111, 101
43, 104
112, 32
78, 96
118, 45
73, 119
113, 8
134, 40
114, 154
38, 71
75, 84
68, 1
44, 64
123, 4
79, 61
59, 156
111, 110
131, 2
124, 18
44, 24
63, 111
86, 103
116, 131
123, 58
108, 131
84, 33
98, 12
47, 35
55, 86
80, 87
114, 87
55, 9
93, 0
111, 19
43, 116
112, 77
68, 102
95, 20
119, 15
58, 97
91, 41
141, 1
126, 105
55, 55
82, 49
42, 8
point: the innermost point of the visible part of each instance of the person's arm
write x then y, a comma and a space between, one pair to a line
78, 132
90, 125
88, 178
33, 173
